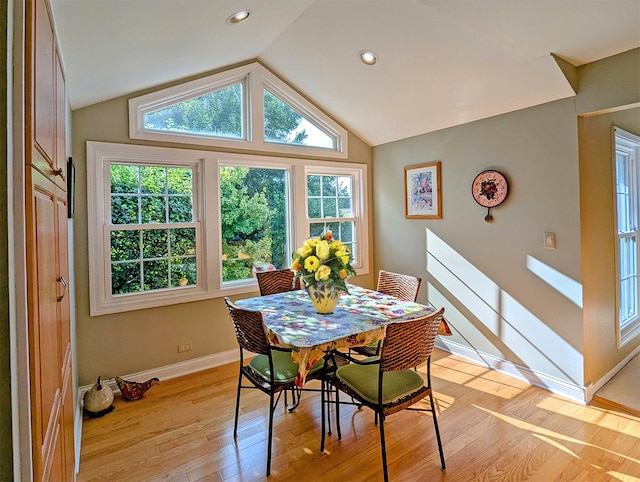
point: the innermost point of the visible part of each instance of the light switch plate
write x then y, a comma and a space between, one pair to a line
549, 240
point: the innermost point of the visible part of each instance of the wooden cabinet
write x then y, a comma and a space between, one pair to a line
52, 407
49, 334
49, 104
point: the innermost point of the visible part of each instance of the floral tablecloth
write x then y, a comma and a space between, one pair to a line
291, 321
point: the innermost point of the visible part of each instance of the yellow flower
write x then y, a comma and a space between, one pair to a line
323, 259
322, 250
311, 263
323, 273
304, 250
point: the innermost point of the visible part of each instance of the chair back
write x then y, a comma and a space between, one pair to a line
278, 281
249, 328
402, 286
408, 344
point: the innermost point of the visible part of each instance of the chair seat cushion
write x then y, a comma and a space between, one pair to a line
363, 379
285, 369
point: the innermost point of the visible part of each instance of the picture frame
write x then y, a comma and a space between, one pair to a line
423, 191
71, 188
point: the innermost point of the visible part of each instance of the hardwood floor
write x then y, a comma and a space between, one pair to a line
494, 428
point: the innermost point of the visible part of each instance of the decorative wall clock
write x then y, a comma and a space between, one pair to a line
489, 189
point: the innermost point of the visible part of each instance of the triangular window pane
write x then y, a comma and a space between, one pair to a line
216, 114
284, 125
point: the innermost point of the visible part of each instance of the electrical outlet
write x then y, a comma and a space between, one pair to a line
184, 347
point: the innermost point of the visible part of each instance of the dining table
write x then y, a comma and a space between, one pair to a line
360, 318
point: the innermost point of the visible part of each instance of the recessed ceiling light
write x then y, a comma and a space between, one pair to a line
238, 17
368, 57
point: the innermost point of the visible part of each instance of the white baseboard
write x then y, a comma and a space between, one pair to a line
163, 373
565, 389
592, 388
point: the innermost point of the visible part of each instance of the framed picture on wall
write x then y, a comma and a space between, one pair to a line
423, 191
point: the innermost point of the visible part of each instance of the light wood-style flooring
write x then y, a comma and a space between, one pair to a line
493, 427
623, 390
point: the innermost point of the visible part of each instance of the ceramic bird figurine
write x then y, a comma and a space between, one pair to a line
97, 400
135, 390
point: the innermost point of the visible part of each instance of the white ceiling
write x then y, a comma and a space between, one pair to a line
441, 62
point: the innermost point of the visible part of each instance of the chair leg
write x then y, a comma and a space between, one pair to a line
383, 446
322, 412
235, 424
296, 400
435, 425
271, 409
338, 413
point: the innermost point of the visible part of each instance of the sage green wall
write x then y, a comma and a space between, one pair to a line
125, 343
610, 83
599, 240
609, 95
485, 273
561, 324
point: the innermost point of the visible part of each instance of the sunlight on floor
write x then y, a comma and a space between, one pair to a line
544, 433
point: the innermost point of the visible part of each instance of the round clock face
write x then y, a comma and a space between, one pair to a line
489, 188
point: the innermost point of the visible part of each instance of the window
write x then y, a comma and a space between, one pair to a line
174, 225
627, 201
215, 114
330, 205
282, 124
254, 207
152, 233
247, 107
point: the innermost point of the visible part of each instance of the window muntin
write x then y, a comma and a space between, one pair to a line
627, 204
192, 242
216, 114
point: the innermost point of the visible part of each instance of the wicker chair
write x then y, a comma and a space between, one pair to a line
402, 286
388, 384
278, 281
272, 371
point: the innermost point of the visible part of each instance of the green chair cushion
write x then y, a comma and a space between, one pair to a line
363, 379
285, 369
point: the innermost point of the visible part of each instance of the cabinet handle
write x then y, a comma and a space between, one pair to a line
57, 172
64, 288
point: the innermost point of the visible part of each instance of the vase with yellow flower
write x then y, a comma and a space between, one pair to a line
323, 264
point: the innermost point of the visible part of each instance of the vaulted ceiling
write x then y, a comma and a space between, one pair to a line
441, 62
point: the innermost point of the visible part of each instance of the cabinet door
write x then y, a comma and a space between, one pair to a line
60, 160
67, 411
48, 323
44, 119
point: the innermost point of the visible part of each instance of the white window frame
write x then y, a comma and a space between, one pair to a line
255, 78
207, 211
629, 144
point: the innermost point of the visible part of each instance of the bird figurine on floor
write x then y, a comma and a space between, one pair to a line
135, 390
